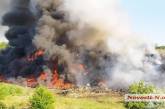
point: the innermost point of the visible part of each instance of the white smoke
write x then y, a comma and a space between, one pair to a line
105, 16
109, 19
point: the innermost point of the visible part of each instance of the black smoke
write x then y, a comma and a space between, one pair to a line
23, 26
21, 22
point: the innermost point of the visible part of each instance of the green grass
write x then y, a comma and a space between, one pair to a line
13, 95
8, 90
102, 102
82, 103
20, 100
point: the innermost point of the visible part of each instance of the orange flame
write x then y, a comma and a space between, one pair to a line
43, 76
59, 83
31, 81
55, 81
35, 55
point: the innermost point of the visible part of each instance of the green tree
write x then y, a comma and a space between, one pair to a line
42, 99
141, 88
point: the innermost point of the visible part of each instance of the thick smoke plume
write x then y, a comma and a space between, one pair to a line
100, 32
21, 22
89, 41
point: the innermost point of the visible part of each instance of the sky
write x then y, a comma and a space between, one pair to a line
147, 18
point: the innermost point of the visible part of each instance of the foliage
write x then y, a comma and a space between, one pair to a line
3, 45
8, 90
99, 102
141, 88
22, 101
160, 47
2, 106
42, 99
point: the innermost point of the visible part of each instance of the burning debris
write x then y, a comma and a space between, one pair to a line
39, 43
62, 45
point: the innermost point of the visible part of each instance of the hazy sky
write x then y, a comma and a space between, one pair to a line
147, 18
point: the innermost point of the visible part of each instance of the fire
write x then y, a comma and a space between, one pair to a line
55, 82
43, 76
59, 83
35, 55
31, 81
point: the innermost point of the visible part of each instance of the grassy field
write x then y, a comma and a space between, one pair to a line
101, 102
18, 98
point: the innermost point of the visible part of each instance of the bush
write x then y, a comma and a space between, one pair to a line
2, 106
42, 99
7, 90
141, 88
